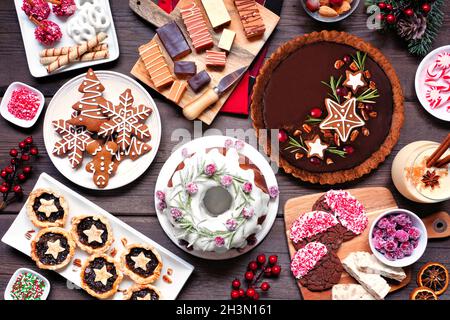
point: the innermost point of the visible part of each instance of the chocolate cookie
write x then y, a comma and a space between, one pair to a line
326, 273
332, 238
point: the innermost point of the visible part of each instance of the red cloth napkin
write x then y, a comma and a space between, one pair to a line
239, 100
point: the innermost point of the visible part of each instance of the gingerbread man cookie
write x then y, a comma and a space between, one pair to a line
89, 114
74, 142
102, 163
126, 121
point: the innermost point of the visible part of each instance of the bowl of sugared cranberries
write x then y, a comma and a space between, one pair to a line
398, 238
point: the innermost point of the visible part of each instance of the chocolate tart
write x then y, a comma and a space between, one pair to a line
313, 78
52, 248
100, 276
142, 292
141, 262
92, 233
47, 208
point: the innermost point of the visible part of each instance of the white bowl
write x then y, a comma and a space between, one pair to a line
440, 113
25, 270
316, 16
4, 105
417, 252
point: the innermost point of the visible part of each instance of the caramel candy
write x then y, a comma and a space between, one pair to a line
155, 64
199, 81
173, 40
177, 90
215, 58
185, 68
217, 12
227, 39
196, 26
251, 18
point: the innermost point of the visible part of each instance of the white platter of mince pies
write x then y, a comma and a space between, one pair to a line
62, 231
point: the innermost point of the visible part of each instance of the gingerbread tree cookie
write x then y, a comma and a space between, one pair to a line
126, 121
74, 142
102, 163
89, 113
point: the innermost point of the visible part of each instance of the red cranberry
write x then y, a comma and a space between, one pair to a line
261, 259
253, 266
265, 286
29, 140
26, 169
25, 157
390, 18
347, 59
268, 271
348, 149
282, 136
273, 260
234, 294
13, 153
3, 174
249, 276
9, 169
389, 7
5, 184
409, 12
21, 177
342, 91
4, 189
34, 151
256, 296
241, 293
17, 189
250, 292
426, 7
276, 270
236, 284
22, 144
314, 160
315, 113
382, 5
13, 161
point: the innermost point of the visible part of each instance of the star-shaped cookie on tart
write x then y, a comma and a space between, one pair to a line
47, 208
354, 80
92, 233
142, 292
141, 262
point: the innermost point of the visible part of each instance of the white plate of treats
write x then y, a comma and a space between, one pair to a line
215, 142
33, 48
16, 238
60, 107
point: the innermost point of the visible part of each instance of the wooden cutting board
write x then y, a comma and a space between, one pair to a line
242, 53
375, 200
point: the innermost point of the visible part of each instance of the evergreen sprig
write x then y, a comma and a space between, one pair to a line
333, 84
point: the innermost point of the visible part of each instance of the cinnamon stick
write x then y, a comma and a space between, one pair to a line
443, 147
443, 162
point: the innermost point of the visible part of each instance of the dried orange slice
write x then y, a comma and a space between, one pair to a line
423, 293
433, 275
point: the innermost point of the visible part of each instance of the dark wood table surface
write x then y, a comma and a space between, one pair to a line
134, 203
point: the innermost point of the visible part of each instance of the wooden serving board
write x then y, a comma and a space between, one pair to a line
376, 200
242, 53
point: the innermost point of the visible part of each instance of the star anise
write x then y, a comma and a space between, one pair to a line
430, 179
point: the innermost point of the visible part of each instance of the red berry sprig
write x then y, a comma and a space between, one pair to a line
261, 267
17, 171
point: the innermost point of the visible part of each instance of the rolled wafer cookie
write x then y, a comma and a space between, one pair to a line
88, 56
77, 53
54, 52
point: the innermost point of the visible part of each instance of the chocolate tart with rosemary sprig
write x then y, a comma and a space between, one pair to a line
337, 103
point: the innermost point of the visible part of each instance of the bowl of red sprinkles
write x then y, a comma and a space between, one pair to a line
26, 284
22, 104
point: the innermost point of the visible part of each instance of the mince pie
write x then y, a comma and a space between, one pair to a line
92, 233
100, 276
47, 208
142, 292
141, 262
52, 248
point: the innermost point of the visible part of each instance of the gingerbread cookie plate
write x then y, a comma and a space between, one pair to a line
21, 233
102, 130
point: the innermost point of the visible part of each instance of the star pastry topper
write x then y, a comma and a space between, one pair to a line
341, 118
102, 275
140, 261
47, 207
354, 80
94, 234
54, 248
316, 147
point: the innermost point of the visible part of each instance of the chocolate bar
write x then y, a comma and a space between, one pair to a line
226, 39
177, 90
173, 40
215, 58
217, 12
250, 17
196, 26
199, 81
185, 68
155, 64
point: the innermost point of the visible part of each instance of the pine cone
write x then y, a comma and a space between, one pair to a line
412, 28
